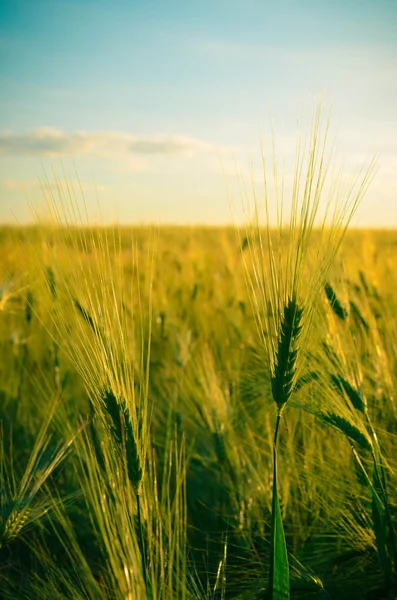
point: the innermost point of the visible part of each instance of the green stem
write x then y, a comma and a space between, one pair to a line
141, 542
276, 438
274, 500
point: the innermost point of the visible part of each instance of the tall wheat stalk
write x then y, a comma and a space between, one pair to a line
286, 266
102, 320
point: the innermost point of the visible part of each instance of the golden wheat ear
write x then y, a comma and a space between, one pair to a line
12, 520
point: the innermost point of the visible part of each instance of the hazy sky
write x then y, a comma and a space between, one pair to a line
146, 98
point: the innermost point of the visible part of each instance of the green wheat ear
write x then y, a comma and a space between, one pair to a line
51, 282
349, 429
283, 377
341, 311
29, 304
123, 435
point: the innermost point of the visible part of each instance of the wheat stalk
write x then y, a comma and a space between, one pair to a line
283, 299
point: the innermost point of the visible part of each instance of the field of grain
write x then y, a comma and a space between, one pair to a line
137, 420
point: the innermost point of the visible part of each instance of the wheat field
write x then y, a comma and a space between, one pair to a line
137, 420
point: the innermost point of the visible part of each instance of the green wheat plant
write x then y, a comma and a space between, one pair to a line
25, 503
286, 268
101, 319
347, 382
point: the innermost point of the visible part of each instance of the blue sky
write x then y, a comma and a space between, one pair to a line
145, 99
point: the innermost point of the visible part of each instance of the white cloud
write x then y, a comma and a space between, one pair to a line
47, 142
